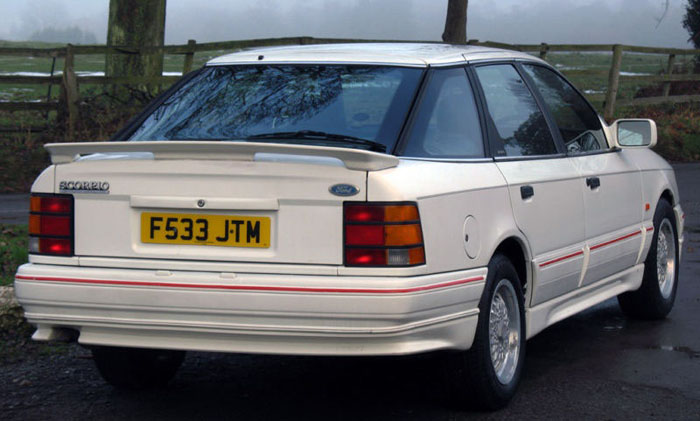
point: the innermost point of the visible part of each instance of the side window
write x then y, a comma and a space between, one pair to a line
520, 126
578, 124
447, 122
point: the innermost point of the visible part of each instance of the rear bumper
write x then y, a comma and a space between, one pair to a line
253, 313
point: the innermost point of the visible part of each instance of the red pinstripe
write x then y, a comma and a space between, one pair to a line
559, 259
254, 287
597, 246
624, 237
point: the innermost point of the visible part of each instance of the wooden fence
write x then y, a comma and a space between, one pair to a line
69, 81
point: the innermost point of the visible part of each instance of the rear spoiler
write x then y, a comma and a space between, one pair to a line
354, 159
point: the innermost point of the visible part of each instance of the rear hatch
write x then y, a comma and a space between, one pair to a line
240, 204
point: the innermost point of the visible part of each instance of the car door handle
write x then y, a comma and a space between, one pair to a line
593, 182
526, 192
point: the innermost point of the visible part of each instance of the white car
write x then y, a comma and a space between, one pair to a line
364, 199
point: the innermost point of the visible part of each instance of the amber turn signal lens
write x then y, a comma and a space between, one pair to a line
34, 224
402, 235
35, 204
416, 256
403, 213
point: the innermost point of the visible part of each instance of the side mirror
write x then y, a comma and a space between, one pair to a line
634, 133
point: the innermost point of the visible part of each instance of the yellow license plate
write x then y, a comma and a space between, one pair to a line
210, 230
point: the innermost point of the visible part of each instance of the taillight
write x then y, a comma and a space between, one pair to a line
381, 234
51, 224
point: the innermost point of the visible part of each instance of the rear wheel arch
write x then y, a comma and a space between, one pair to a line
667, 195
515, 250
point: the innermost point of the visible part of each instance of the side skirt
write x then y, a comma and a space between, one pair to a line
558, 309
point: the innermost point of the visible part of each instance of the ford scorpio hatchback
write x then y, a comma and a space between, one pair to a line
365, 199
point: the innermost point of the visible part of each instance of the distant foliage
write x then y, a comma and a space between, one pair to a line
679, 129
691, 22
71, 35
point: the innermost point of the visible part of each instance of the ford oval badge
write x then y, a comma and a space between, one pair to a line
344, 190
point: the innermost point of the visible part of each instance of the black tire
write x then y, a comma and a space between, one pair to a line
135, 368
471, 375
648, 302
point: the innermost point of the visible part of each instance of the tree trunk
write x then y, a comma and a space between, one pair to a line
135, 24
456, 22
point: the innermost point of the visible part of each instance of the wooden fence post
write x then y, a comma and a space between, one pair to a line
544, 49
669, 71
68, 106
189, 57
613, 82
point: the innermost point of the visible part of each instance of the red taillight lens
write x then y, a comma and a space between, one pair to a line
55, 204
58, 246
364, 235
362, 213
365, 257
51, 225
383, 235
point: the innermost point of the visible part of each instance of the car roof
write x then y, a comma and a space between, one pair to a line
398, 54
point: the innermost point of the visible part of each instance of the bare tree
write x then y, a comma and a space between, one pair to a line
136, 23
667, 4
456, 22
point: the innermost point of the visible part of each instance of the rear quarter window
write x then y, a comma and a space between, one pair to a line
446, 123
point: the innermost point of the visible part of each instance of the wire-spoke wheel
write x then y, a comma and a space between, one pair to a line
504, 331
655, 298
487, 375
666, 258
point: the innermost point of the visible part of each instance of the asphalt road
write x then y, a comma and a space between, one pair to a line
595, 365
14, 208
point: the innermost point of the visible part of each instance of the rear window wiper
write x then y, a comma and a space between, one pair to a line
316, 135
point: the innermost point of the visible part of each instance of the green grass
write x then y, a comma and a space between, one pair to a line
692, 144
13, 251
598, 66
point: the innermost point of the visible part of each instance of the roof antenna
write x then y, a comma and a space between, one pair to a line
261, 57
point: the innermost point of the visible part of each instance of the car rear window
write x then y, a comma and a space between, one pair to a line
237, 102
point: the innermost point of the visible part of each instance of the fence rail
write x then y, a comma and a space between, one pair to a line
69, 81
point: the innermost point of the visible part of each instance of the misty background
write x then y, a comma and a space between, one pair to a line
632, 22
